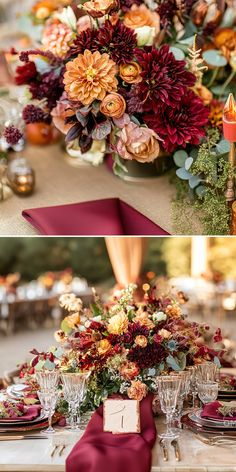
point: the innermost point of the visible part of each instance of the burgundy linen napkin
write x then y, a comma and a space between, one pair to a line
210, 411
32, 413
98, 451
109, 216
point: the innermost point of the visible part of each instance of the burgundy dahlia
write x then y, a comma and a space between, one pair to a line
147, 357
125, 5
85, 40
117, 40
180, 125
165, 80
25, 73
33, 114
12, 135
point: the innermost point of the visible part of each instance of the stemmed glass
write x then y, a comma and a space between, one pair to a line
193, 382
208, 391
185, 377
48, 400
168, 389
47, 379
73, 388
83, 418
206, 371
48, 395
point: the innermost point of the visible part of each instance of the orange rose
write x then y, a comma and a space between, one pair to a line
129, 370
137, 390
141, 341
113, 105
130, 73
99, 8
140, 15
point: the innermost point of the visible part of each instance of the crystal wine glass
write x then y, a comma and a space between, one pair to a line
208, 391
48, 400
206, 371
185, 377
82, 419
168, 389
47, 379
73, 387
193, 382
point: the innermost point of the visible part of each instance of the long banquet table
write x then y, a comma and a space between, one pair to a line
34, 456
59, 183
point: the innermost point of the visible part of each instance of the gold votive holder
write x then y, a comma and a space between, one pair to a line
21, 177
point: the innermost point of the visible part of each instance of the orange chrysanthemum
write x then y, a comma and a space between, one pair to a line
90, 76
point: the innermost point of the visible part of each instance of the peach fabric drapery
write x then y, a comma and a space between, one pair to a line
126, 256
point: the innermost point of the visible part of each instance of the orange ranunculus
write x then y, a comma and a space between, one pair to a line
129, 370
103, 347
130, 72
140, 15
137, 390
141, 340
90, 76
99, 8
113, 105
138, 143
59, 114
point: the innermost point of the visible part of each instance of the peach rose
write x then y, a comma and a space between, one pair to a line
130, 73
140, 15
99, 8
83, 23
113, 105
138, 143
129, 370
164, 333
137, 390
59, 114
141, 340
144, 320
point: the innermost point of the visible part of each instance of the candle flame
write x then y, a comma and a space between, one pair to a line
229, 112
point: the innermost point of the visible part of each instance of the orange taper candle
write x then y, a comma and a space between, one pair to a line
229, 119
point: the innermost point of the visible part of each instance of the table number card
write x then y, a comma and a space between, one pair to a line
121, 416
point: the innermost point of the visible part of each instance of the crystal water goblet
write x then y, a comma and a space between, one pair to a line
83, 418
168, 390
185, 377
206, 371
48, 401
208, 391
73, 387
193, 383
47, 379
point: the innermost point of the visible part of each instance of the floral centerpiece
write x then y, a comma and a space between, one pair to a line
126, 344
140, 81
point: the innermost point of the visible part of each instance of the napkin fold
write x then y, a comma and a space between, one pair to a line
211, 411
31, 413
98, 451
110, 216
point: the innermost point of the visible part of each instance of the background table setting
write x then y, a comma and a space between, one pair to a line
64, 399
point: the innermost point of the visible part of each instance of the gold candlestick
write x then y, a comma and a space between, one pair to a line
230, 190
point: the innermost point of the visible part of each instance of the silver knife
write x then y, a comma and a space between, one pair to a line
164, 450
175, 445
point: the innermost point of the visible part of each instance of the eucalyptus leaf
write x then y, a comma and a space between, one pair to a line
188, 163
217, 362
194, 181
65, 327
214, 58
183, 174
173, 363
200, 191
39, 365
49, 365
223, 146
188, 40
178, 53
180, 158
42, 65
194, 153
217, 90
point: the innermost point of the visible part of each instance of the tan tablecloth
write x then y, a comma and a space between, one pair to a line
59, 183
